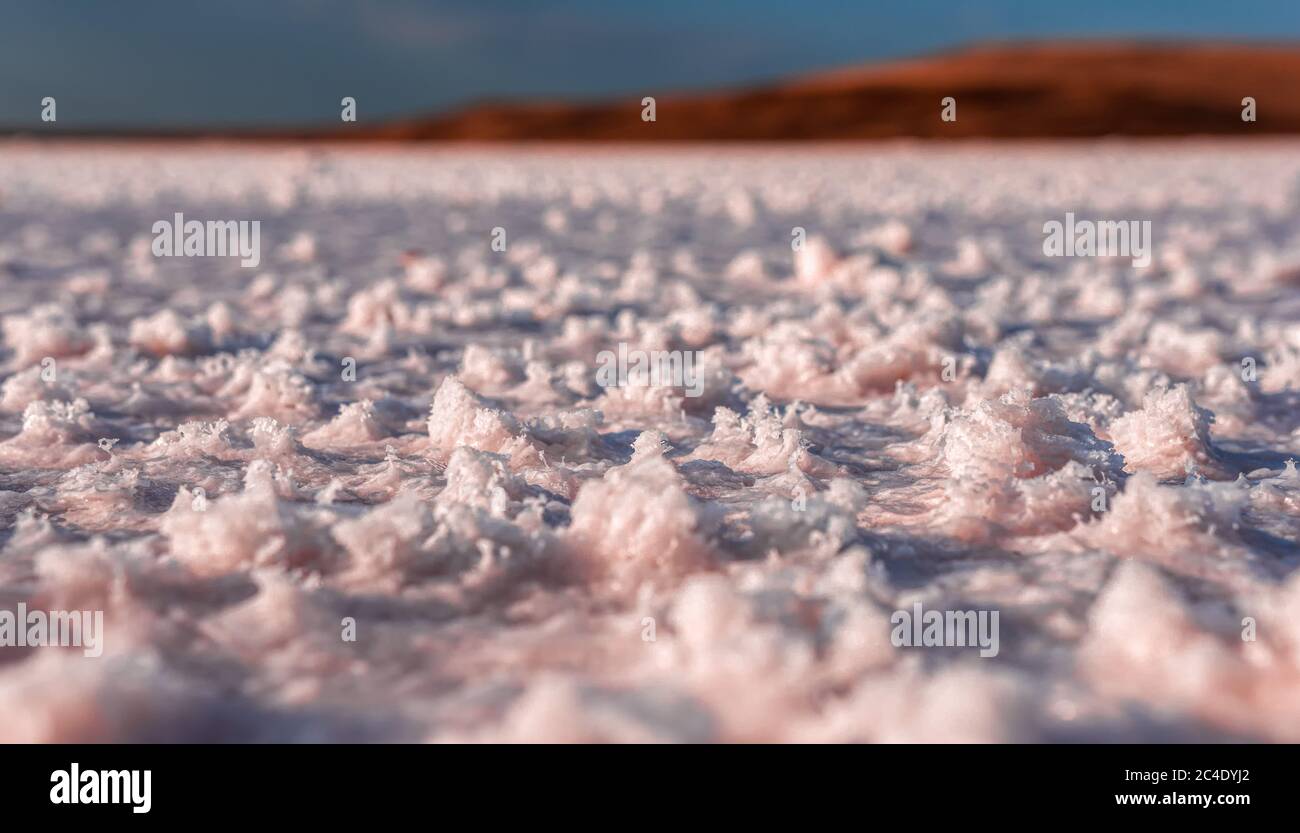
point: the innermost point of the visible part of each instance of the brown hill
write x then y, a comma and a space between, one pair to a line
1002, 91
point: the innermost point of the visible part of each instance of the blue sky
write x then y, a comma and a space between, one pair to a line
134, 63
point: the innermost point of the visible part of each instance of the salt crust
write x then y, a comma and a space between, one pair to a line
915, 406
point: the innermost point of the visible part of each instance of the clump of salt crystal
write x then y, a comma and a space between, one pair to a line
1170, 524
284, 622
894, 236
79, 576
815, 260
387, 541
800, 518
253, 528
487, 370
376, 307
649, 444
27, 386
747, 266
925, 346
760, 443
637, 522
354, 425
459, 417
64, 699
1182, 350
479, 479
1168, 437
424, 273
279, 392
220, 320
1016, 436
1282, 370
301, 248
999, 509
1145, 643
56, 423
196, 439
165, 333
271, 439
49, 330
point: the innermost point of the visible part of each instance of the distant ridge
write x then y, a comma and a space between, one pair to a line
1003, 91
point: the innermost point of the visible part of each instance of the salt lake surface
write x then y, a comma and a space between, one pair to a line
374, 488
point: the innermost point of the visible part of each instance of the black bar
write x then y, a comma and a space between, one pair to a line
331, 783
